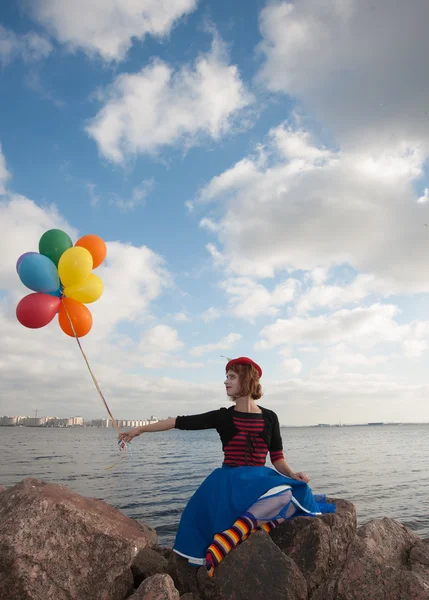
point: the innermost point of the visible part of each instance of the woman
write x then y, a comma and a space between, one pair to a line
243, 495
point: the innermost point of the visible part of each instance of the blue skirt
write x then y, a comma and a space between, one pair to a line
225, 495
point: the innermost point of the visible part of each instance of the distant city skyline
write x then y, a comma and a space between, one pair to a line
76, 421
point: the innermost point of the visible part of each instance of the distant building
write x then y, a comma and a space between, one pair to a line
122, 423
8, 421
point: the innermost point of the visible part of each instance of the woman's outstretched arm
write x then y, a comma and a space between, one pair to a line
163, 425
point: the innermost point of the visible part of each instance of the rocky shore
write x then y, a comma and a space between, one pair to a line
58, 545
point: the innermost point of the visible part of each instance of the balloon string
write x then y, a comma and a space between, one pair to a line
122, 444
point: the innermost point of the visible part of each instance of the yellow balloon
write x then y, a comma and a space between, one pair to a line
75, 265
87, 291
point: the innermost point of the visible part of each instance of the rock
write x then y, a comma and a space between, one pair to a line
254, 570
318, 545
342, 525
122, 587
164, 551
419, 560
147, 563
57, 545
183, 574
378, 566
189, 596
2, 488
157, 587
150, 533
306, 541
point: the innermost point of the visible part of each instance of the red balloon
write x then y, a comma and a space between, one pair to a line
37, 310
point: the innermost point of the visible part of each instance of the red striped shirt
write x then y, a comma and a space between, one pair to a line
246, 437
247, 448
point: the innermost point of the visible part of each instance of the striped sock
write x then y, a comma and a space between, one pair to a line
269, 526
224, 542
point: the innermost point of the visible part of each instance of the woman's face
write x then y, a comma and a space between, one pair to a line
232, 384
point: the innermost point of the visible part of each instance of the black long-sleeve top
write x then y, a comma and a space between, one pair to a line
246, 437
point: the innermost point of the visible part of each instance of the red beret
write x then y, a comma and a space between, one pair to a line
243, 360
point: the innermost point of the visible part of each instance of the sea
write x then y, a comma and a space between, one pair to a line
383, 470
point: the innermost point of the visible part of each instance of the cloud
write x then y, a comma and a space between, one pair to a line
348, 64
425, 198
226, 343
4, 173
158, 349
133, 278
249, 299
160, 338
211, 314
29, 47
217, 257
34, 82
347, 397
94, 196
364, 326
306, 207
108, 28
414, 348
293, 366
333, 296
138, 196
244, 172
341, 358
36, 364
160, 107
181, 317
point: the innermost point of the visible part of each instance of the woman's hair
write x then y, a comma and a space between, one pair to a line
249, 381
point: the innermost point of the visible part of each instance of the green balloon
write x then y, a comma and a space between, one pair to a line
54, 243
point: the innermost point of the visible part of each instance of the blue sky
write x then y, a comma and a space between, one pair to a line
258, 171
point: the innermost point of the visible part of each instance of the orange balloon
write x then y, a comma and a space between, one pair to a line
96, 246
79, 315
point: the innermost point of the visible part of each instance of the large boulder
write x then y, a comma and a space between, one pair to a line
57, 545
256, 569
385, 560
157, 587
318, 545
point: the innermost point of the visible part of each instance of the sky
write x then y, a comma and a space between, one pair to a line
259, 172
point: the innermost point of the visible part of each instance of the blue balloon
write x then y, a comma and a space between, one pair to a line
39, 273
58, 293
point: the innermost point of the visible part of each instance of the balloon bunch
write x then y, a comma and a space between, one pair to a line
61, 276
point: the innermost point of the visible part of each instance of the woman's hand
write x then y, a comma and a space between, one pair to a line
127, 436
301, 477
